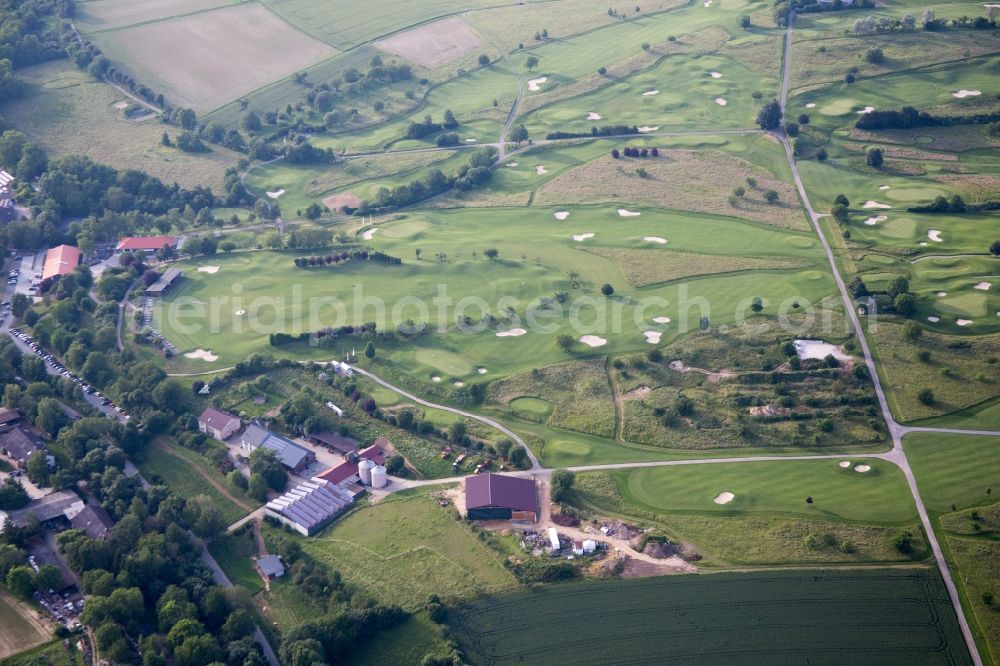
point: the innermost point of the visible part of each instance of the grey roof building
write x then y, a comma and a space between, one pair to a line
291, 455
310, 506
94, 521
271, 566
64, 503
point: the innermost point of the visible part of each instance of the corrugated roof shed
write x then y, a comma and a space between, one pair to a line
498, 490
311, 504
165, 281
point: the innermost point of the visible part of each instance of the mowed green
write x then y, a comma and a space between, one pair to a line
536, 253
881, 616
954, 469
879, 496
404, 548
19, 628
205, 60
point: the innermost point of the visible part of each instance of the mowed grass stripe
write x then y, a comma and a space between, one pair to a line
954, 469
875, 616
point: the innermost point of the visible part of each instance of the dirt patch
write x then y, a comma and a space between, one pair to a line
433, 44
637, 393
340, 201
766, 410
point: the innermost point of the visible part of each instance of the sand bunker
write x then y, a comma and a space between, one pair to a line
818, 349
511, 333
481, 371
872, 221
345, 200
561, 214
582, 237
512, 164
811, 105
862, 468
652, 337
470, 140
274, 195
593, 341
883, 187
435, 379
707, 3
724, 498
983, 286
661, 320
459, 384
650, 92
593, 116
941, 294
715, 75
208, 269
720, 101
875, 204
935, 235
622, 212
534, 83
646, 128
923, 243
932, 319
369, 233
845, 463
963, 93
867, 109
654, 239
963, 322
120, 105
541, 170
203, 354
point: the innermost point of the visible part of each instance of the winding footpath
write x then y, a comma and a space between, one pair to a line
897, 455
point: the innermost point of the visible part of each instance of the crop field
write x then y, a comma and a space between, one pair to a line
405, 548
20, 628
873, 616
214, 57
55, 653
98, 15
953, 470
69, 113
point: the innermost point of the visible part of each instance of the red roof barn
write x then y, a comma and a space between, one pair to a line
499, 497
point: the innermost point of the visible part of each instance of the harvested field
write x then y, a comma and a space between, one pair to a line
874, 616
685, 180
433, 44
67, 112
205, 60
645, 267
110, 14
20, 627
587, 408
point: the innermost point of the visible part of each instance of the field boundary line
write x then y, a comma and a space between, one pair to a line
164, 19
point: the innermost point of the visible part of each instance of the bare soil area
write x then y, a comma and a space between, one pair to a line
433, 44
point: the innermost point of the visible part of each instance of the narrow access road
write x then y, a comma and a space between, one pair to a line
897, 455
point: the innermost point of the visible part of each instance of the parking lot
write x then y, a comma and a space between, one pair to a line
24, 273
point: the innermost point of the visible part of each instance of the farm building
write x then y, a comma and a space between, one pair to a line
18, 444
167, 280
310, 506
334, 442
9, 416
8, 212
292, 456
60, 261
218, 424
271, 567
147, 244
500, 497
65, 504
348, 471
94, 521
6, 183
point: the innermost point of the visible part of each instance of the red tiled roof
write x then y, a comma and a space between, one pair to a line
348, 468
146, 242
60, 261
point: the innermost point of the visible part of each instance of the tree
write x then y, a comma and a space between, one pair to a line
503, 447
898, 285
904, 304
484, 60
265, 463
821, 155
874, 158
771, 196
769, 117
602, 70
803, 119
491, 253
395, 465
607, 289
519, 134
418, 252
450, 122
562, 481
565, 342
518, 457
926, 396
370, 350
757, 304
745, 22
204, 516
21, 581
165, 140
20, 303
792, 129
840, 213
38, 468
48, 578
456, 432
849, 77
257, 487
874, 55
911, 331
994, 249
531, 63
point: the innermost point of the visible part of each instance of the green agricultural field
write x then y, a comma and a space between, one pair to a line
887, 616
953, 470
55, 653
407, 547
69, 113
876, 497
406, 643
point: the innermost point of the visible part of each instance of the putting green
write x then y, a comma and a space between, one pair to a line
531, 407
839, 107
445, 362
800, 242
566, 449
